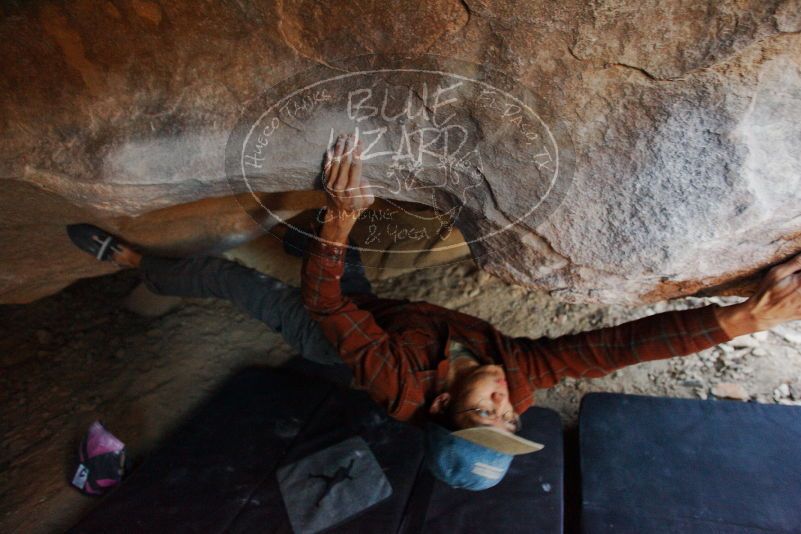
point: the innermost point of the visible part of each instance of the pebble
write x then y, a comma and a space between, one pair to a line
781, 392
739, 353
730, 390
142, 301
744, 342
759, 352
795, 389
761, 336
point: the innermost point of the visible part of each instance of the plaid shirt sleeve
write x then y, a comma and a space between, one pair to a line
592, 354
374, 356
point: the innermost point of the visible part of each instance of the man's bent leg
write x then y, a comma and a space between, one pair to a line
263, 297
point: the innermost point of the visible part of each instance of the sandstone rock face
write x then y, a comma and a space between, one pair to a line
609, 151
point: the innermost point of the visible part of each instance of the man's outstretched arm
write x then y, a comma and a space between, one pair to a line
350, 329
375, 356
675, 333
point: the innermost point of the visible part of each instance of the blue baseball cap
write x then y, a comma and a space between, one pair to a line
473, 458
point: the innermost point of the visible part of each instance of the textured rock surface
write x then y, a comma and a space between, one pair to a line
682, 118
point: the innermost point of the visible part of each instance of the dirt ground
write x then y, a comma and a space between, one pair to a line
81, 355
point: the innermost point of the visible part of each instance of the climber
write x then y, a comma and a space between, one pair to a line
457, 376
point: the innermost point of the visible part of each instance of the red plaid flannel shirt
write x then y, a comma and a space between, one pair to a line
398, 350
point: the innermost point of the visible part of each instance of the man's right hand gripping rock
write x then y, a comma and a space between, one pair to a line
348, 193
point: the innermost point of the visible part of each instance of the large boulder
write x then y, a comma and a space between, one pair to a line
611, 151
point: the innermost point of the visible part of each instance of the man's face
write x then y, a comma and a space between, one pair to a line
483, 400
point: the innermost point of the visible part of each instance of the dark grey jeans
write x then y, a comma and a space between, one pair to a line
278, 305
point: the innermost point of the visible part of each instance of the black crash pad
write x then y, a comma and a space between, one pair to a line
217, 471
397, 447
655, 465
